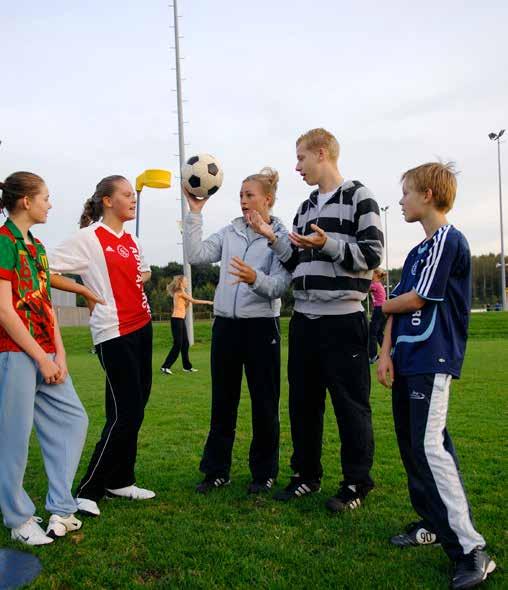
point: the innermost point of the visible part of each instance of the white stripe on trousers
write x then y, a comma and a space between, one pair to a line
444, 469
110, 430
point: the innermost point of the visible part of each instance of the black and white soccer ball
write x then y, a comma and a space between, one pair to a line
202, 175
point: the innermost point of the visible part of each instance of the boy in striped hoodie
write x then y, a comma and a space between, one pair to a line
335, 244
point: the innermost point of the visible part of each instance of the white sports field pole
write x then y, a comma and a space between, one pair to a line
189, 319
497, 137
385, 209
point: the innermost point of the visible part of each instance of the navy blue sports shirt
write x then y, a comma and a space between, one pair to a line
433, 339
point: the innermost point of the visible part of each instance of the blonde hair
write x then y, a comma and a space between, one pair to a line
439, 178
379, 272
320, 138
268, 178
175, 285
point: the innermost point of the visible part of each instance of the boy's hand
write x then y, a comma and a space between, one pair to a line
195, 205
49, 370
315, 241
259, 225
244, 272
385, 372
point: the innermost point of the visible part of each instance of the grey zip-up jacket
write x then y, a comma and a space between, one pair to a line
260, 300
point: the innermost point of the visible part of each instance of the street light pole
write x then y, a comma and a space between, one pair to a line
496, 137
384, 210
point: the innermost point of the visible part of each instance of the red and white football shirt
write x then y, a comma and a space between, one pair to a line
110, 264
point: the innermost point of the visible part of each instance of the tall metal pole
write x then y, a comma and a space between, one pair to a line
385, 209
503, 267
181, 145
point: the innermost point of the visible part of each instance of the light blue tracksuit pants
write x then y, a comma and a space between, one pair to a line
60, 424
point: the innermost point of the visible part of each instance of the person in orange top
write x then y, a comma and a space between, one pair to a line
181, 300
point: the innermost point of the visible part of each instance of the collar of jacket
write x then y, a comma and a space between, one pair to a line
239, 225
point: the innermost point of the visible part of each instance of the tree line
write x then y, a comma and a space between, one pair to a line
486, 284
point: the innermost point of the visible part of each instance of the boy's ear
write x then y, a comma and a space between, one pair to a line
321, 154
428, 195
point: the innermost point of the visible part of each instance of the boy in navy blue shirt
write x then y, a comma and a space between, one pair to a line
423, 349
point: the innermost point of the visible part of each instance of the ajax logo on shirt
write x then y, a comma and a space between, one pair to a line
123, 251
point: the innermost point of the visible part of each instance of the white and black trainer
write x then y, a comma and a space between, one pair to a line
472, 569
59, 526
415, 535
30, 533
349, 497
260, 487
297, 488
211, 483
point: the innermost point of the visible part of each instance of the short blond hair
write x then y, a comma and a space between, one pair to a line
320, 138
440, 178
268, 178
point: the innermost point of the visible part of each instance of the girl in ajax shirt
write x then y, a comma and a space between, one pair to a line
181, 300
111, 264
35, 387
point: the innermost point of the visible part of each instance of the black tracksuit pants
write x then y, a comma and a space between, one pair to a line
254, 345
127, 362
376, 330
180, 344
420, 407
330, 352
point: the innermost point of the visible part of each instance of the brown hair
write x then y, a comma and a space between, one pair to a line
17, 186
175, 285
380, 273
268, 178
93, 208
320, 138
439, 178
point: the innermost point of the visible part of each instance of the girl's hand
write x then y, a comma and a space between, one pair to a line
195, 204
61, 362
244, 272
92, 299
50, 370
260, 226
385, 372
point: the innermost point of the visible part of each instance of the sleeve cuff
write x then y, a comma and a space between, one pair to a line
331, 247
7, 275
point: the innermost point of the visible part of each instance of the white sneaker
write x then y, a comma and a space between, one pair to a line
133, 493
30, 533
59, 526
192, 370
166, 371
87, 506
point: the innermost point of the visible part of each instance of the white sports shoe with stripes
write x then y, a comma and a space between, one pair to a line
211, 483
297, 488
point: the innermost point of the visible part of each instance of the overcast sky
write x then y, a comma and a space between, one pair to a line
87, 91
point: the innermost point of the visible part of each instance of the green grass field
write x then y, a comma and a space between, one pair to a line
229, 540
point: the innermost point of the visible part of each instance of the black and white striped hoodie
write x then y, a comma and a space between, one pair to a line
335, 279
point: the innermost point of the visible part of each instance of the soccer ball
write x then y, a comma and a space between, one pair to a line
202, 175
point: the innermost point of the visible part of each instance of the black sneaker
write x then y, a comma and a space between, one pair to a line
472, 569
297, 488
415, 535
349, 497
260, 487
211, 483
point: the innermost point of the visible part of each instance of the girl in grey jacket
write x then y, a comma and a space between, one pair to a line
245, 333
